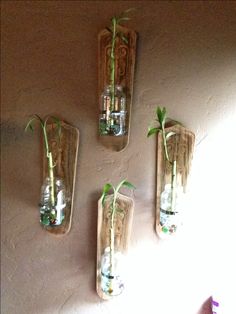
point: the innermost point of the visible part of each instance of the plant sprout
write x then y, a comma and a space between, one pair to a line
50, 162
162, 119
114, 29
113, 209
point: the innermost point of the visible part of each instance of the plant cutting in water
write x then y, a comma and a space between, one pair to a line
162, 120
49, 215
113, 97
114, 209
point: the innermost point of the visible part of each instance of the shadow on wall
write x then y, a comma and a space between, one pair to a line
92, 224
21, 163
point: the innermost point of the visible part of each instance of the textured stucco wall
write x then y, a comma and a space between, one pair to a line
186, 60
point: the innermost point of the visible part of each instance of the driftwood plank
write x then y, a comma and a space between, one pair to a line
180, 148
124, 76
123, 225
65, 154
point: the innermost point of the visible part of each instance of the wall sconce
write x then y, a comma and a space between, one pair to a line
174, 155
116, 62
61, 143
115, 215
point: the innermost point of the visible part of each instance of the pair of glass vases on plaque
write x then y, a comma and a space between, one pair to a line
113, 112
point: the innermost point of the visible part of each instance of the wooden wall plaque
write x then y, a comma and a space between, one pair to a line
124, 76
123, 225
180, 147
65, 157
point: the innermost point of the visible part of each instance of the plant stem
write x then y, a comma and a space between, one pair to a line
173, 185
51, 176
50, 165
165, 143
112, 77
173, 165
111, 258
112, 237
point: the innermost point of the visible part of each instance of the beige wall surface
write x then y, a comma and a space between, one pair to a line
186, 61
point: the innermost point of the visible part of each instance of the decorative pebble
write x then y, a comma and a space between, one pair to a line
165, 229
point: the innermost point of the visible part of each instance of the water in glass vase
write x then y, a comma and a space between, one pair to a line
111, 277
170, 218
53, 202
112, 118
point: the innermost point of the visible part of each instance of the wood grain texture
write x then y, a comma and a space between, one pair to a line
65, 154
180, 148
124, 76
123, 225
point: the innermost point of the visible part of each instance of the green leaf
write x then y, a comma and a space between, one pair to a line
169, 134
128, 10
29, 125
124, 183
38, 117
123, 18
128, 185
114, 21
123, 38
153, 131
106, 189
161, 115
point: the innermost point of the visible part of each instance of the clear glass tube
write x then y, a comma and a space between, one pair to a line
113, 115
52, 207
111, 280
172, 201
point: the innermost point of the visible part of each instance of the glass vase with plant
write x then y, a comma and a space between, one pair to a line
112, 258
113, 100
53, 194
172, 190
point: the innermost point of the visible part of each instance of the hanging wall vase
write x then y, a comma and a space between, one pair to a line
172, 179
116, 61
65, 153
174, 154
60, 152
113, 234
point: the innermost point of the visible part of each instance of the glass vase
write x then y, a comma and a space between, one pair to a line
112, 118
111, 277
112, 245
53, 202
172, 201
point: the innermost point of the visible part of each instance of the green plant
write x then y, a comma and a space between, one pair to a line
116, 33
113, 210
50, 162
162, 120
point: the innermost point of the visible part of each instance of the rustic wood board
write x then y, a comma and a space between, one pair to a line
65, 156
123, 225
124, 69
181, 146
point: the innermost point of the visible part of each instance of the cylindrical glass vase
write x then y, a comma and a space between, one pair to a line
112, 117
172, 201
111, 278
53, 202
